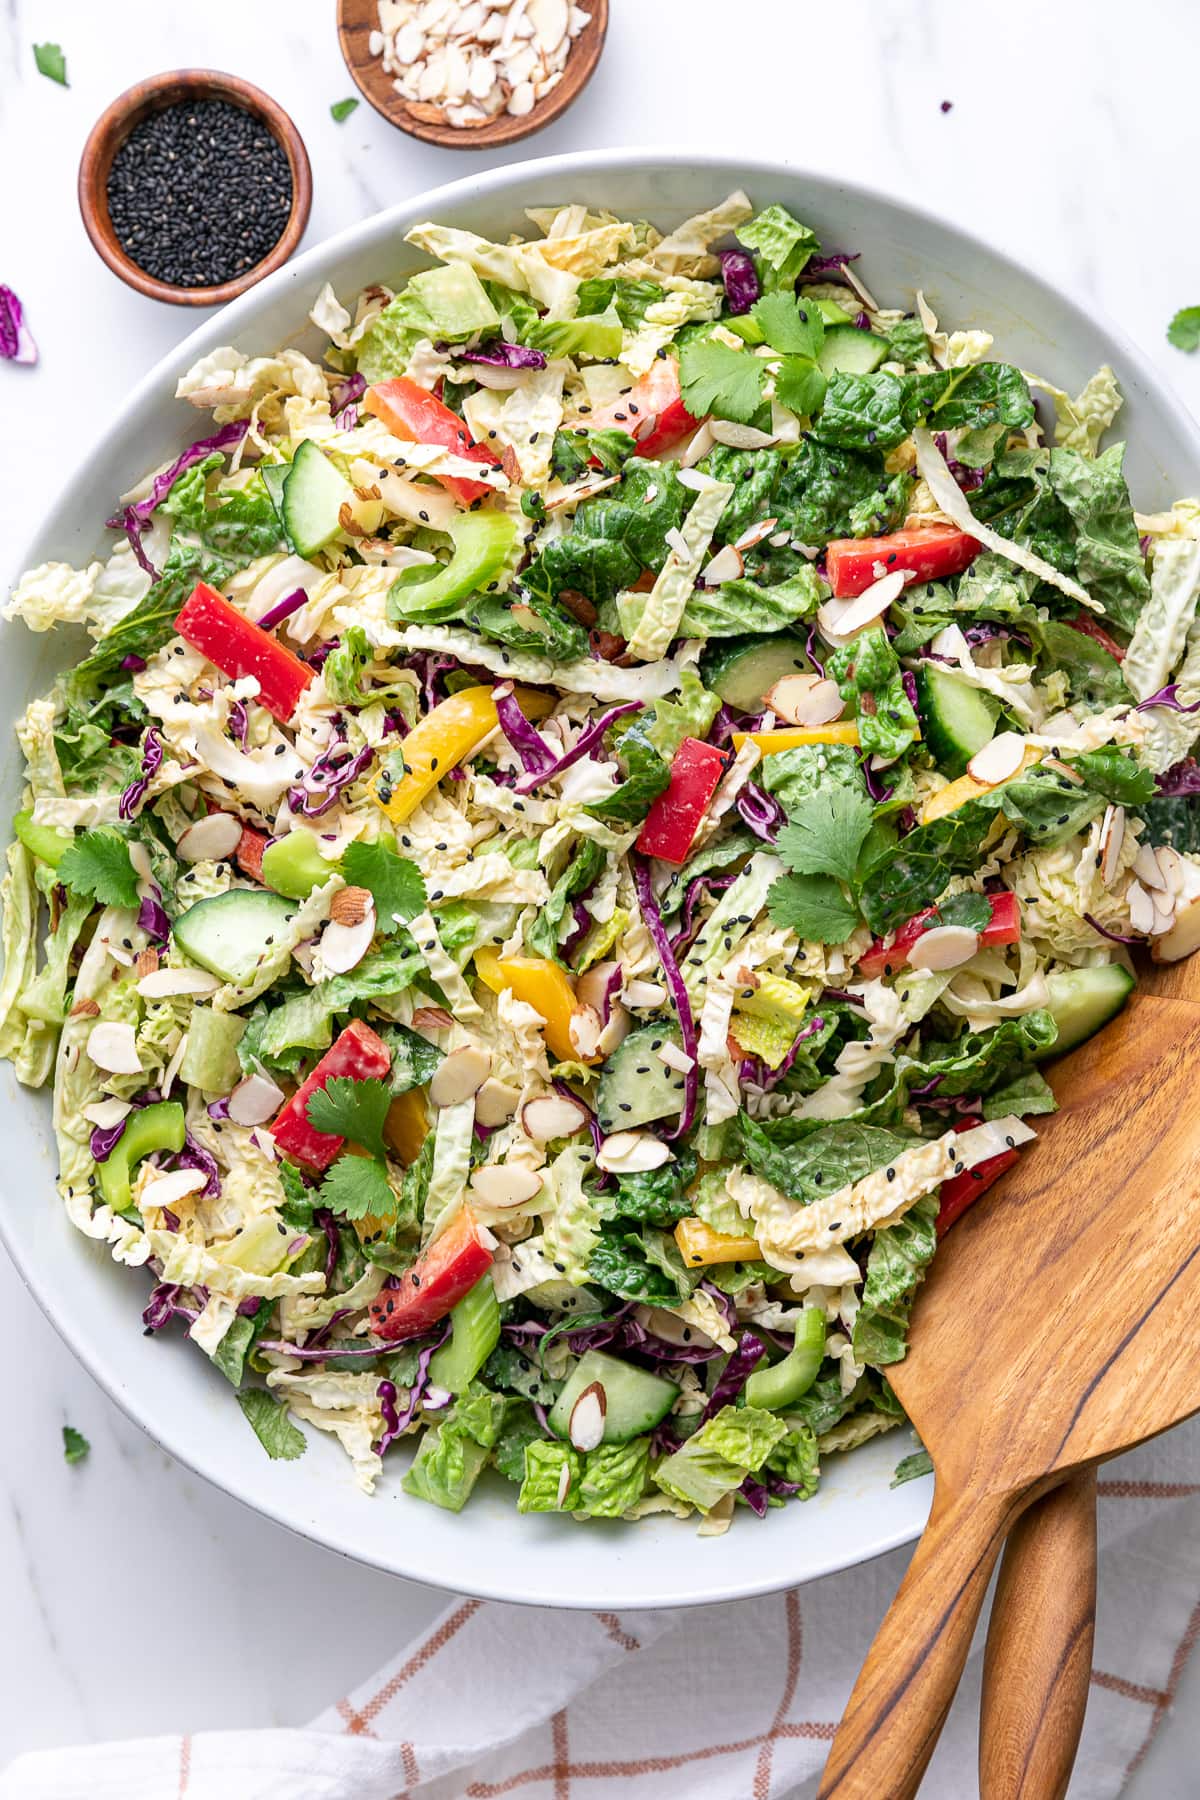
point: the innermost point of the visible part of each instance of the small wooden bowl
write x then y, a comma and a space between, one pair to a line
153, 95
357, 19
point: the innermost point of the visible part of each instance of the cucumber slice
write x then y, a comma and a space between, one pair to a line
226, 934
957, 718
313, 494
274, 476
634, 1399
1082, 1000
833, 314
636, 1085
474, 1334
849, 351
744, 668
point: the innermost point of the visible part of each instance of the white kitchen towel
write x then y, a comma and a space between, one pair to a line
733, 1702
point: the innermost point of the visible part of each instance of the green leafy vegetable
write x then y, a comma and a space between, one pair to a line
98, 865
826, 837
630, 298
975, 398
815, 907
75, 1445
900, 1254
911, 1468
357, 1187
543, 1488
740, 606
340, 111
646, 775
148, 625
810, 1166
446, 1467
415, 1060
586, 863
717, 1459
614, 1479
1184, 329
862, 412
394, 883
783, 245
716, 378
350, 1109
268, 1418
51, 62
573, 451
237, 519
1108, 557
613, 538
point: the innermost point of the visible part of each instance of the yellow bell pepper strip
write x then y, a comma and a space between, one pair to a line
845, 731
543, 985
439, 742
407, 1126
699, 1243
957, 793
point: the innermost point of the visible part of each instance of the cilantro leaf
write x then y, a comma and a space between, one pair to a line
340, 111
351, 1109
814, 906
268, 1419
1184, 329
718, 379
51, 62
98, 865
827, 835
357, 1186
788, 325
800, 385
394, 882
75, 1445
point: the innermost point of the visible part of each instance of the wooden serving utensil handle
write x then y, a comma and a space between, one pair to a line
1038, 1662
904, 1689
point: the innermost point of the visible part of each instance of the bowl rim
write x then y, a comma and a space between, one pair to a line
119, 119
480, 1578
505, 129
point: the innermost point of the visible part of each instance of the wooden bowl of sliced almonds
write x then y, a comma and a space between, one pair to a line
471, 74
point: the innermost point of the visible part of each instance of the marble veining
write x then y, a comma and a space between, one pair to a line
1070, 141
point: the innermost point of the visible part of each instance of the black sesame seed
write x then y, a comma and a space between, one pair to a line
199, 193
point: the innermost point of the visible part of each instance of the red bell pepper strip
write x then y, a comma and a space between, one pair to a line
652, 412
883, 958
357, 1053
675, 816
435, 1283
411, 412
1085, 623
238, 647
249, 852
961, 1190
932, 554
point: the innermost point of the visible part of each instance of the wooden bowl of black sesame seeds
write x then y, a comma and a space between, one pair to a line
193, 185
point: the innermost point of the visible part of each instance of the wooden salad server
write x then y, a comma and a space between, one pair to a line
1046, 1339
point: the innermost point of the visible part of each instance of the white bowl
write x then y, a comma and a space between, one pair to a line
167, 1385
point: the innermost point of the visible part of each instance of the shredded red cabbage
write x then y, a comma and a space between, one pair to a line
135, 793
133, 519
536, 756
1182, 779
239, 723
696, 890
352, 388
152, 917
164, 1305
810, 649
105, 1138
400, 1422
741, 280
679, 994
16, 339
195, 1156
283, 609
502, 355
828, 268
1167, 697
333, 771
761, 812
755, 1070
1114, 937
735, 1374
584, 744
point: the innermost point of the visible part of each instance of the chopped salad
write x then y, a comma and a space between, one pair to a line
588, 804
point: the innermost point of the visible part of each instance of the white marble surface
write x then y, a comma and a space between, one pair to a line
133, 1597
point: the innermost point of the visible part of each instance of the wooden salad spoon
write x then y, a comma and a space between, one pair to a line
1045, 1340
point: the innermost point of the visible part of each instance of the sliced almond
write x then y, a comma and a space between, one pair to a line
1174, 869
586, 1427
552, 1116
848, 616
643, 995
1183, 939
85, 1009
583, 490
496, 1102
460, 1075
726, 565
1141, 908
107, 1113
632, 1153
1112, 839
431, 1018
170, 1187
755, 535
214, 838
616, 1030
344, 946
806, 700
564, 1484
584, 1028
698, 445
113, 1048
1164, 915
350, 905
163, 984
1148, 870
945, 947
592, 986
1065, 770
505, 1184
739, 437
550, 19
998, 760
255, 1100
675, 1057
146, 961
